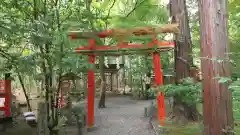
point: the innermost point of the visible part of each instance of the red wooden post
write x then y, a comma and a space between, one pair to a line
8, 96
61, 101
6, 93
65, 87
159, 81
2, 97
69, 84
90, 117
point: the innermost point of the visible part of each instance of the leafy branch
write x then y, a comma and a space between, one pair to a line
135, 7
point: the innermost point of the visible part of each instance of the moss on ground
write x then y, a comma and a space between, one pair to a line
237, 128
196, 128
189, 129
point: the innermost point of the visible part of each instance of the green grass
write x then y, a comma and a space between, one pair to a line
200, 108
236, 113
189, 129
237, 128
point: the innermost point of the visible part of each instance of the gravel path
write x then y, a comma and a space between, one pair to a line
123, 116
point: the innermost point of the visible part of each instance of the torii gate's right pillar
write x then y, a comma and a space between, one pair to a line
159, 81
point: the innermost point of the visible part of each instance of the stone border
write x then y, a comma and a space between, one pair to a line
154, 127
150, 114
90, 129
158, 130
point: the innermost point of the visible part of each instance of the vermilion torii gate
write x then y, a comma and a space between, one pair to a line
124, 48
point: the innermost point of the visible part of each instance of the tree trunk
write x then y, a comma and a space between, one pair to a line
24, 91
42, 126
123, 76
217, 106
183, 57
130, 73
103, 83
147, 78
183, 51
111, 81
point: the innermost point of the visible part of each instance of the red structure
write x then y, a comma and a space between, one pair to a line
124, 48
66, 86
5, 98
61, 100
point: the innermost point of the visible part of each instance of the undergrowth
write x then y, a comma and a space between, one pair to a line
191, 93
188, 91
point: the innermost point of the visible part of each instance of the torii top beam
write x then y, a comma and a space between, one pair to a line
138, 31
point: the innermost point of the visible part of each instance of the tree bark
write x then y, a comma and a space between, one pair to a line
183, 50
111, 81
130, 73
183, 58
123, 76
148, 76
103, 83
24, 91
217, 106
42, 126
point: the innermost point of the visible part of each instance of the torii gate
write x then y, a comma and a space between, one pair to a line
153, 47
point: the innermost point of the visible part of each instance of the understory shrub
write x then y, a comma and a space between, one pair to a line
188, 91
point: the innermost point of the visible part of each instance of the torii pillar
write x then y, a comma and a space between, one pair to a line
91, 87
159, 81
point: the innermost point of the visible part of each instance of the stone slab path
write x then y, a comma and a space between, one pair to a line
123, 116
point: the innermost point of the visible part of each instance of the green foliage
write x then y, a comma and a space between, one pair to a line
151, 93
235, 87
79, 111
189, 129
188, 91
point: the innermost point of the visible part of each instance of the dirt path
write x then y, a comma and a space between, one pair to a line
123, 116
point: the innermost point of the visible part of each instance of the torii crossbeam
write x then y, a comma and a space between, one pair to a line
124, 48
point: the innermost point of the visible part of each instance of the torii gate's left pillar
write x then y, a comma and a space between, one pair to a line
91, 87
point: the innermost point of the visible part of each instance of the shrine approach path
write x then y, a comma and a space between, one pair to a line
123, 116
